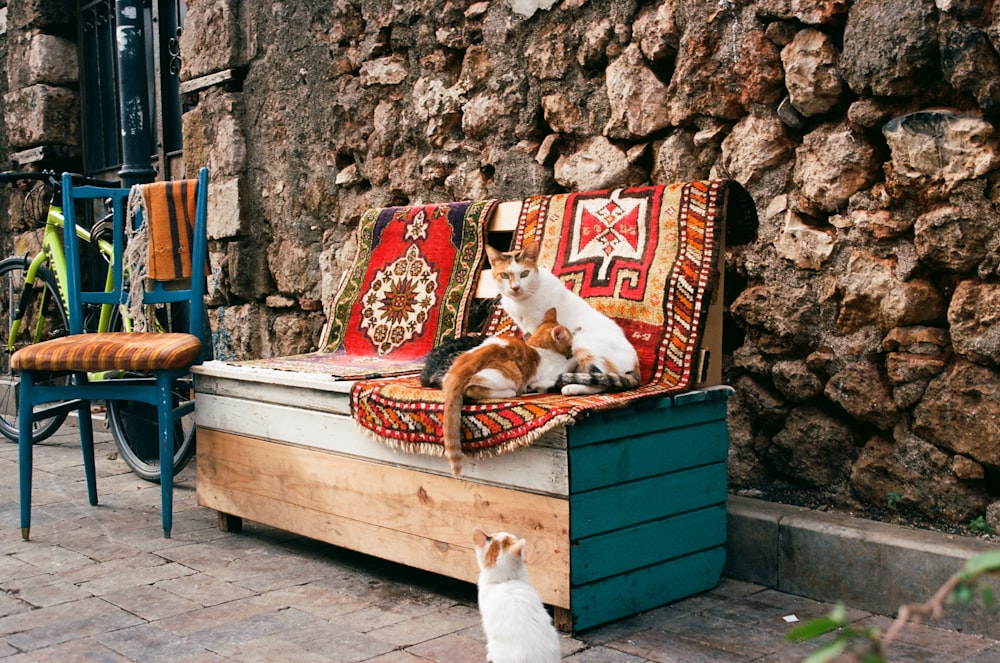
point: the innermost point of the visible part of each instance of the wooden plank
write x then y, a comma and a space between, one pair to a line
601, 556
646, 455
251, 393
644, 417
711, 339
202, 82
505, 216
539, 468
646, 588
398, 514
243, 373
628, 504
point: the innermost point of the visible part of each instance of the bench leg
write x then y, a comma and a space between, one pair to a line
562, 619
228, 523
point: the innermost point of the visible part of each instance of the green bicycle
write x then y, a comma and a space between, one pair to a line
33, 309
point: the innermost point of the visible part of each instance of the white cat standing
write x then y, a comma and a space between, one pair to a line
604, 355
518, 628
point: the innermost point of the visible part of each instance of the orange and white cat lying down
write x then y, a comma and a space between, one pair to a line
503, 367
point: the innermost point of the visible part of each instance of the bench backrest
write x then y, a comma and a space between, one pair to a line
708, 370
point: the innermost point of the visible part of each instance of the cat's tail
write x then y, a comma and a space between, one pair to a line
595, 381
454, 391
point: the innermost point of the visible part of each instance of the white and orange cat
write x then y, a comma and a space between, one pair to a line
517, 626
503, 367
605, 360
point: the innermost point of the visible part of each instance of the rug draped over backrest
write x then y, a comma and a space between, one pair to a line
646, 256
411, 284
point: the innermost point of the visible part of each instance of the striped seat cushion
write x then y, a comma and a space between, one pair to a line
130, 351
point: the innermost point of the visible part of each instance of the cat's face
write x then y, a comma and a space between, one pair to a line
499, 551
516, 272
550, 335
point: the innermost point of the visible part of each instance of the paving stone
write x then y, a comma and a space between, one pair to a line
150, 603
204, 589
148, 642
667, 646
111, 583
206, 596
38, 593
428, 626
187, 624
64, 622
449, 648
339, 643
85, 650
603, 654
268, 650
725, 635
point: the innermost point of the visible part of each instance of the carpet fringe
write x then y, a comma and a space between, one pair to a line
436, 449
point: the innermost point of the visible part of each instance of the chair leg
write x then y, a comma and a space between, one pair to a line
87, 445
165, 419
24, 450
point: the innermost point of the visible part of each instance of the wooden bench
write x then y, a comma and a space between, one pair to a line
623, 511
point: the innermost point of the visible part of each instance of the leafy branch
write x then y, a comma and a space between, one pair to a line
869, 645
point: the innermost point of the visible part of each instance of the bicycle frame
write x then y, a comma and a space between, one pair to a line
53, 255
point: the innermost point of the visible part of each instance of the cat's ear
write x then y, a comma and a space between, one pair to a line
494, 255
550, 316
561, 334
516, 548
479, 537
530, 251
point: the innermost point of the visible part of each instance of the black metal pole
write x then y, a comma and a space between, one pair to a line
133, 90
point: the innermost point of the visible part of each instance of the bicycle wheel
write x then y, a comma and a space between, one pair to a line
133, 424
44, 318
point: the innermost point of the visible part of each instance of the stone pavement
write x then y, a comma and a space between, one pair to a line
101, 584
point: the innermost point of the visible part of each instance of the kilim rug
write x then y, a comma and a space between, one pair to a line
411, 284
646, 256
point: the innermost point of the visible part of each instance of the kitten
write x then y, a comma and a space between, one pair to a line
605, 358
503, 367
518, 628
441, 357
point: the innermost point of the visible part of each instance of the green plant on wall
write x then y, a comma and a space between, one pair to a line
979, 525
869, 645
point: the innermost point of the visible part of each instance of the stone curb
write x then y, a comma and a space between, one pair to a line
864, 564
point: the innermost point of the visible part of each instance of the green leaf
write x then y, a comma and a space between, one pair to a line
988, 597
827, 652
987, 562
819, 626
961, 594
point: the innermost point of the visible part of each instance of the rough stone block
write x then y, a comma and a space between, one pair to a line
224, 218
41, 13
40, 114
211, 38
51, 60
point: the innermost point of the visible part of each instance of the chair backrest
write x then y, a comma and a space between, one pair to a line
116, 290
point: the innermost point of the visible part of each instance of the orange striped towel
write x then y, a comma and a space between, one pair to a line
169, 208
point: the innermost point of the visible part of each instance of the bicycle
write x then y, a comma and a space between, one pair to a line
33, 308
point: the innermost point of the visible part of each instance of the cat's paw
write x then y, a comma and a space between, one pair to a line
582, 389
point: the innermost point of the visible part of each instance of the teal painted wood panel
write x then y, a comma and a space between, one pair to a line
643, 418
646, 588
617, 507
647, 454
625, 550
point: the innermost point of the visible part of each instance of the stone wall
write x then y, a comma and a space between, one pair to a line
40, 123
863, 326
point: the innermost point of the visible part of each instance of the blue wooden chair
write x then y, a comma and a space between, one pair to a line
162, 359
